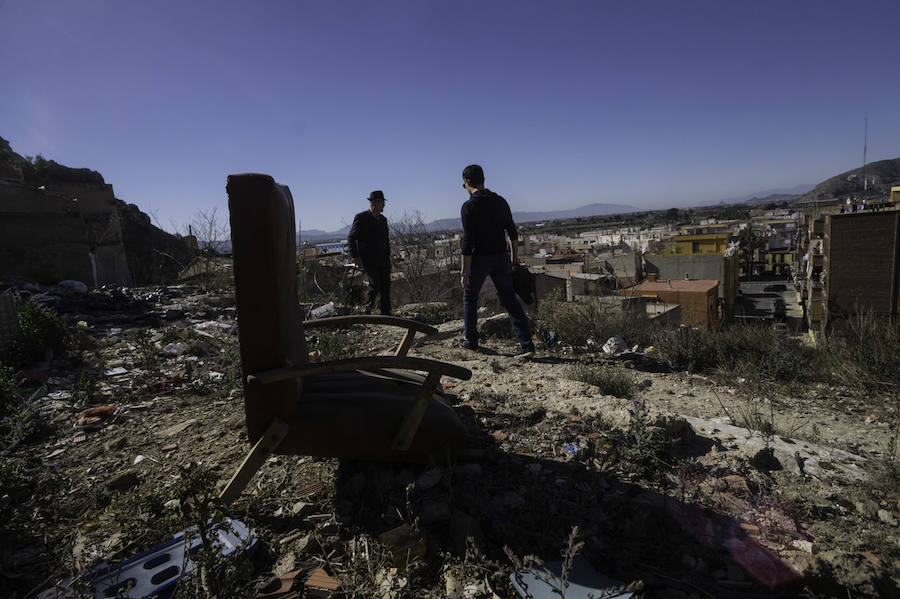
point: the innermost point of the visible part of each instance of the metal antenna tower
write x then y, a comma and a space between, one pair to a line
865, 146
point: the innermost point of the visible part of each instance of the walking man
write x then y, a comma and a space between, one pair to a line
369, 246
487, 221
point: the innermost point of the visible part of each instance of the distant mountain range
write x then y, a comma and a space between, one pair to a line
763, 197
452, 224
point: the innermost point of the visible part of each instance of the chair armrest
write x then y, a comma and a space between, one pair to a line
412, 326
367, 363
341, 321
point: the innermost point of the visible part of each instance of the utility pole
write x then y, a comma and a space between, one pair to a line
865, 146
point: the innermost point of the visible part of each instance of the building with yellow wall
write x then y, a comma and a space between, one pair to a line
694, 245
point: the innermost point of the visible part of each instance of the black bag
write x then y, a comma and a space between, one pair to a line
523, 283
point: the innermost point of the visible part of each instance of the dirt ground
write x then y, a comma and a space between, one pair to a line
703, 511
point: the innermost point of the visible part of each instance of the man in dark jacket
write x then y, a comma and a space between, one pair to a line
487, 221
369, 245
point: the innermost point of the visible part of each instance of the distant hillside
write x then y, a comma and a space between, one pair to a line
773, 198
762, 197
881, 175
452, 224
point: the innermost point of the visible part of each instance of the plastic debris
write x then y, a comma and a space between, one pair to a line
156, 572
573, 448
615, 345
323, 310
405, 543
94, 416
584, 582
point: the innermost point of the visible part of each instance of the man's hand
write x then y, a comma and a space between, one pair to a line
464, 279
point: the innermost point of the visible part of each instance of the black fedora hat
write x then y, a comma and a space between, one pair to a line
377, 195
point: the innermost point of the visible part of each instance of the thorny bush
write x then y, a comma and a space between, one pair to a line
642, 444
772, 356
610, 380
864, 353
336, 344
42, 334
577, 322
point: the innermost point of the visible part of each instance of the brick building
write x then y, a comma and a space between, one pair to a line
861, 264
699, 299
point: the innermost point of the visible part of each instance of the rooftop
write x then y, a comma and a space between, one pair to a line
677, 285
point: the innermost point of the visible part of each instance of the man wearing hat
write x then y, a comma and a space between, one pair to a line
369, 246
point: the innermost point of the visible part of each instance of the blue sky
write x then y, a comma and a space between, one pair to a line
654, 104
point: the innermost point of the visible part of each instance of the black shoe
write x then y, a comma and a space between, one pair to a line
464, 343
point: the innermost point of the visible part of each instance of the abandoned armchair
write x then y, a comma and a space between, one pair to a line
367, 408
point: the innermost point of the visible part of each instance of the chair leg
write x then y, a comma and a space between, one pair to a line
413, 419
405, 343
274, 435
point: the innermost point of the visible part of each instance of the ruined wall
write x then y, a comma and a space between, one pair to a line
69, 230
153, 255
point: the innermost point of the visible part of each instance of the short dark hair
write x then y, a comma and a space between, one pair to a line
474, 175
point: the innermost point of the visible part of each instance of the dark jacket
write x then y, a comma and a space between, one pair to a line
485, 217
368, 240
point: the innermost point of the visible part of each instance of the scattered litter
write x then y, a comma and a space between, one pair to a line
405, 544
573, 448
584, 582
320, 584
96, 417
115, 371
281, 587
615, 345
176, 349
323, 311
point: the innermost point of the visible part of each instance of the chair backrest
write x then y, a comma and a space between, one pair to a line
264, 248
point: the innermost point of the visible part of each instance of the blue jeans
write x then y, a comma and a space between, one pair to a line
499, 268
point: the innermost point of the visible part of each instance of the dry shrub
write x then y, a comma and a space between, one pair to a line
576, 322
864, 353
613, 381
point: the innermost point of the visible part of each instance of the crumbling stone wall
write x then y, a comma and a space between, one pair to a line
47, 236
154, 256
61, 223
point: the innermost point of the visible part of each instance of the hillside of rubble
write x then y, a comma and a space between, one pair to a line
123, 416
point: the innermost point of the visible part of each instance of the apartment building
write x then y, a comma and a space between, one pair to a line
847, 263
691, 245
861, 265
